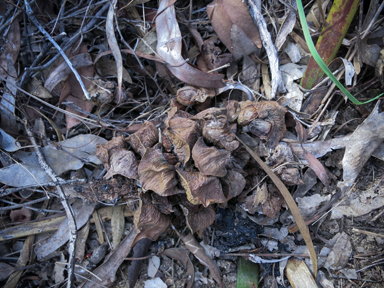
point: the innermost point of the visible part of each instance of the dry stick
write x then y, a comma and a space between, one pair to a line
32, 17
68, 209
257, 17
85, 29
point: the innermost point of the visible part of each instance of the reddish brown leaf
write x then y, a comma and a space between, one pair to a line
123, 162
265, 119
318, 168
225, 13
183, 134
233, 184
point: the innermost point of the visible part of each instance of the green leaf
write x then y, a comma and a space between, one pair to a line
247, 274
320, 62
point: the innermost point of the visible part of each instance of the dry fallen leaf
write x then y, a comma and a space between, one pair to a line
169, 42
183, 134
209, 160
362, 143
149, 221
144, 138
198, 217
226, 13
216, 128
201, 189
181, 255
192, 245
156, 174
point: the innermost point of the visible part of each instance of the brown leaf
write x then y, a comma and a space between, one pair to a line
156, 174
233, 184
144, 138
117, 225
233, 110
272, 205
169, 44
190, 95
225, 13
198, 217
183, 134
201, 189
279, 160
192, 245
181, 255
104, 151
123, 162
318, 168
20, 215
107, 270
216, 128
107, 67
210, 160
270, 122
102, 92
149, 221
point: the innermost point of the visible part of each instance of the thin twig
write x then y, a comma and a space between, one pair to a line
64, 202
33, 19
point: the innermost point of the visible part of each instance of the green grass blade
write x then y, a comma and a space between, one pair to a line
320, 62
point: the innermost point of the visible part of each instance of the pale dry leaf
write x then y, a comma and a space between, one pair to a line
169, 43
181, 255
112, 41
192, 245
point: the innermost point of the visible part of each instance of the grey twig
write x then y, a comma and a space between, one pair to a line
257, 17
52, 184
33, 19
68, 209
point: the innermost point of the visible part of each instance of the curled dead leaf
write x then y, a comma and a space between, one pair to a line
149, 221
198, 217
104, 151
264, 119
144, 138
201, 189
101, 92
233, 184
156, 174
233, 110
189, 95
281, 155
122, 162
20, 215
210, 160
183, 134
216, 128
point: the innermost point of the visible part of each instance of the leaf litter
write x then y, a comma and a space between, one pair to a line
194, 142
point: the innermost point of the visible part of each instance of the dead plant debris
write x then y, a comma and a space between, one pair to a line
137, 133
